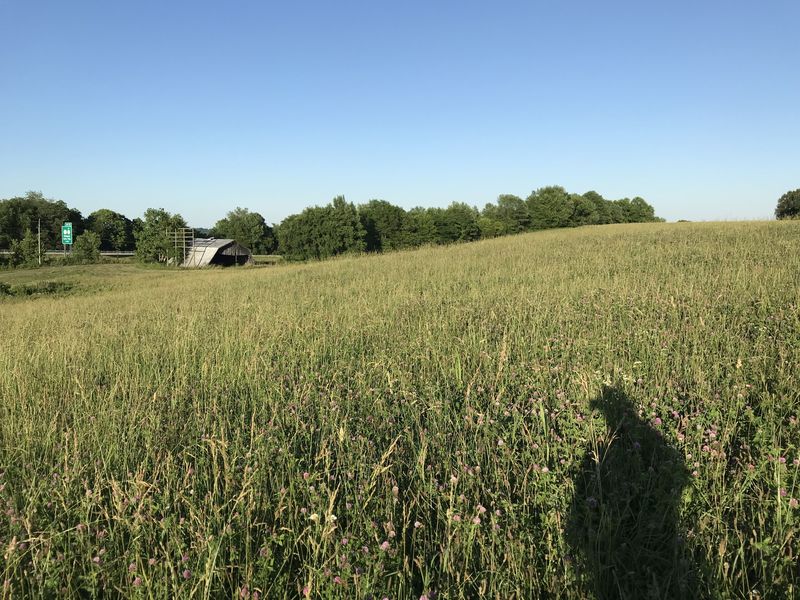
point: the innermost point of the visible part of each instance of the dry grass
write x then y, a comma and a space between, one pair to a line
510, 418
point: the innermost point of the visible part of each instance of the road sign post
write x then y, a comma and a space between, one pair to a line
66, 236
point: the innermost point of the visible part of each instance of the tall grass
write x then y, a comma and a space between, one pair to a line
609, 411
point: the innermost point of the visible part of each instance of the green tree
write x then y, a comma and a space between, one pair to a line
456, 223
600, 206
420, 227
384, 225
788, 205
115, 230
584, 212
87, 247
153, 242
322, 232
641, 212
25, 252
19, 214
248, 228
490, 223
513, 213
550, 207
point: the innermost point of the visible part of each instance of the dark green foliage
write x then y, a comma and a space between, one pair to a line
322, 232
489, 225
248, 228
87, 247
319, 232
25, 252
550, 207
153, 243
601, 207
114, 229
385, 224
420, 228
511, 213
456, 223
20, 214
37, 288
584, 211
788, 205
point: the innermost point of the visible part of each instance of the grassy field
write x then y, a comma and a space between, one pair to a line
609, 411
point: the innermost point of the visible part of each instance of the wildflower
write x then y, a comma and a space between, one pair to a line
481, 508
186, 573
476, 520
545, 470
306, 475
151, 561
417, 524
457, 518
344, 541
338, 580
137, 581
793, 503
782, 460
395, 491
96, 560
783, 492
244, 592
184, 558
314, 517
423, 597
306, 590
385, 545
132, 567
657, 421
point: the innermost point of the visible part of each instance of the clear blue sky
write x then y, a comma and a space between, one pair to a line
200, 106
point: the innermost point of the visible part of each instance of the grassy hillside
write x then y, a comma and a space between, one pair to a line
609, 410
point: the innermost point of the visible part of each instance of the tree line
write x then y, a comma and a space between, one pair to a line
317, 232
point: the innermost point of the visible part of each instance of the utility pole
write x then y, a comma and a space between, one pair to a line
39, 236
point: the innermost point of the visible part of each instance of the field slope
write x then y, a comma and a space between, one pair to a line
609, 411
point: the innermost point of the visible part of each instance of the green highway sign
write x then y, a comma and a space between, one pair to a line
66, 233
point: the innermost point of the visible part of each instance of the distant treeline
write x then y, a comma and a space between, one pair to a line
319, 231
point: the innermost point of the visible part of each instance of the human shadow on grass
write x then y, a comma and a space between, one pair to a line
624, 524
